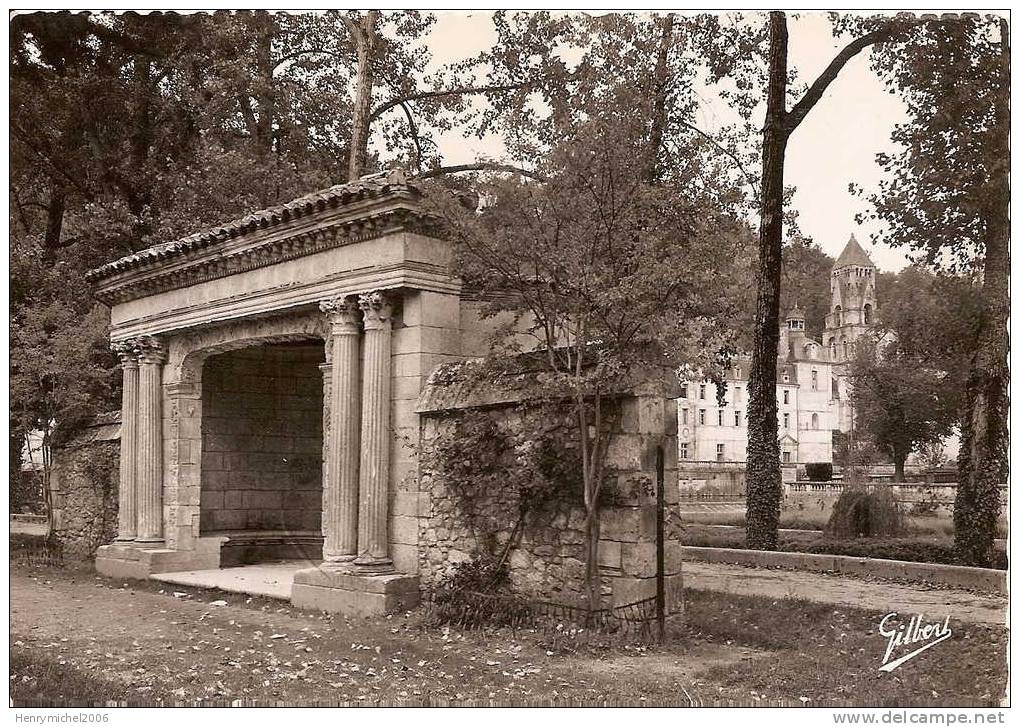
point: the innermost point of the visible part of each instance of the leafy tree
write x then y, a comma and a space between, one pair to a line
946, 197
599, 268
763, 469
805, 282
899, 402
933, 317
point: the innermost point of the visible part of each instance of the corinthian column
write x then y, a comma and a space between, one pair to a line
340, 487
151, 355
373, 545
126, 529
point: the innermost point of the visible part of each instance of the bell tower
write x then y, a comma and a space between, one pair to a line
854, 307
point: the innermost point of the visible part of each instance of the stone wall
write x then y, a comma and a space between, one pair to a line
262, 439
549, 562
83, 488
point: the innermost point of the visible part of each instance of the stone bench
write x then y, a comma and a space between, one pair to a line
243, 547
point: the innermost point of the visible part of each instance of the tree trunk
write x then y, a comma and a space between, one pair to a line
660, 98
592, 530
764, 481
900, 463
364, 39
984, 452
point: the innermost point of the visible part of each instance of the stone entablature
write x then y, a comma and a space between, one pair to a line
367, 208
368, 235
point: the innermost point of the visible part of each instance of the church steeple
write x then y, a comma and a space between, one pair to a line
853, 255
854, 305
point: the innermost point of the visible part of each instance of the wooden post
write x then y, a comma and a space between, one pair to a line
660, 543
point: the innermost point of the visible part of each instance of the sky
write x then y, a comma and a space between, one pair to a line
833, 147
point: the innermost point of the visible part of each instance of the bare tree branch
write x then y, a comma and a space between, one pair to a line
462, 91
414, 134
480, 167
815, 91
736, 160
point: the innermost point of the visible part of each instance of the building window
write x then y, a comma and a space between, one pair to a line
683, 391
838, 315
701, 416
786, 422
814, 421
684, 453
701, 391
786, 457
737, 395
736, 418
736, 372
720, 417
683, 416
867, 314
720, 452
786, 396
814, 381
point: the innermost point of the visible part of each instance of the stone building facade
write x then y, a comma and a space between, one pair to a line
272, 373
812, 383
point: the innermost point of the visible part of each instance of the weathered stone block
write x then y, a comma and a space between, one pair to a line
352, 594
404, 530
610, 554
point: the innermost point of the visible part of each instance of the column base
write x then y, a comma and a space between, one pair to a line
354, 593
134, 560
150, 543
370, 566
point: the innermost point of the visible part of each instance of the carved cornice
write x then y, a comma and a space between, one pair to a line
153, 278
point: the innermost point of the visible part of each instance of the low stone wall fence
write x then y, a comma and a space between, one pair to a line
548, 561
83, 488
956, 576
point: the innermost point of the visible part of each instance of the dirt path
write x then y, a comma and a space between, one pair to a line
934, 603
221, 647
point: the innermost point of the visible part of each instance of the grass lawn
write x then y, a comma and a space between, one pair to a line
80, 639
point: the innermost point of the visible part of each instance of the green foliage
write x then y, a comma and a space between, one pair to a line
946, 197
488, 467
819, 471
453, 600
62, 370
899, 401
806, 270
865, 512
935, 196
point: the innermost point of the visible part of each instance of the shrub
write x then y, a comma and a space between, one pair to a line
818, 471
453, 600
865, 512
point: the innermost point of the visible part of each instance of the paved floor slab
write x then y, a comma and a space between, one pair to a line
273, 580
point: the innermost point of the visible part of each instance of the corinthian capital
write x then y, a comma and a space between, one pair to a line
377, 307
125, 350
150, 350
342, 312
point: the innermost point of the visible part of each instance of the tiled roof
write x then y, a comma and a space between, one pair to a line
853, 255
373, 185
